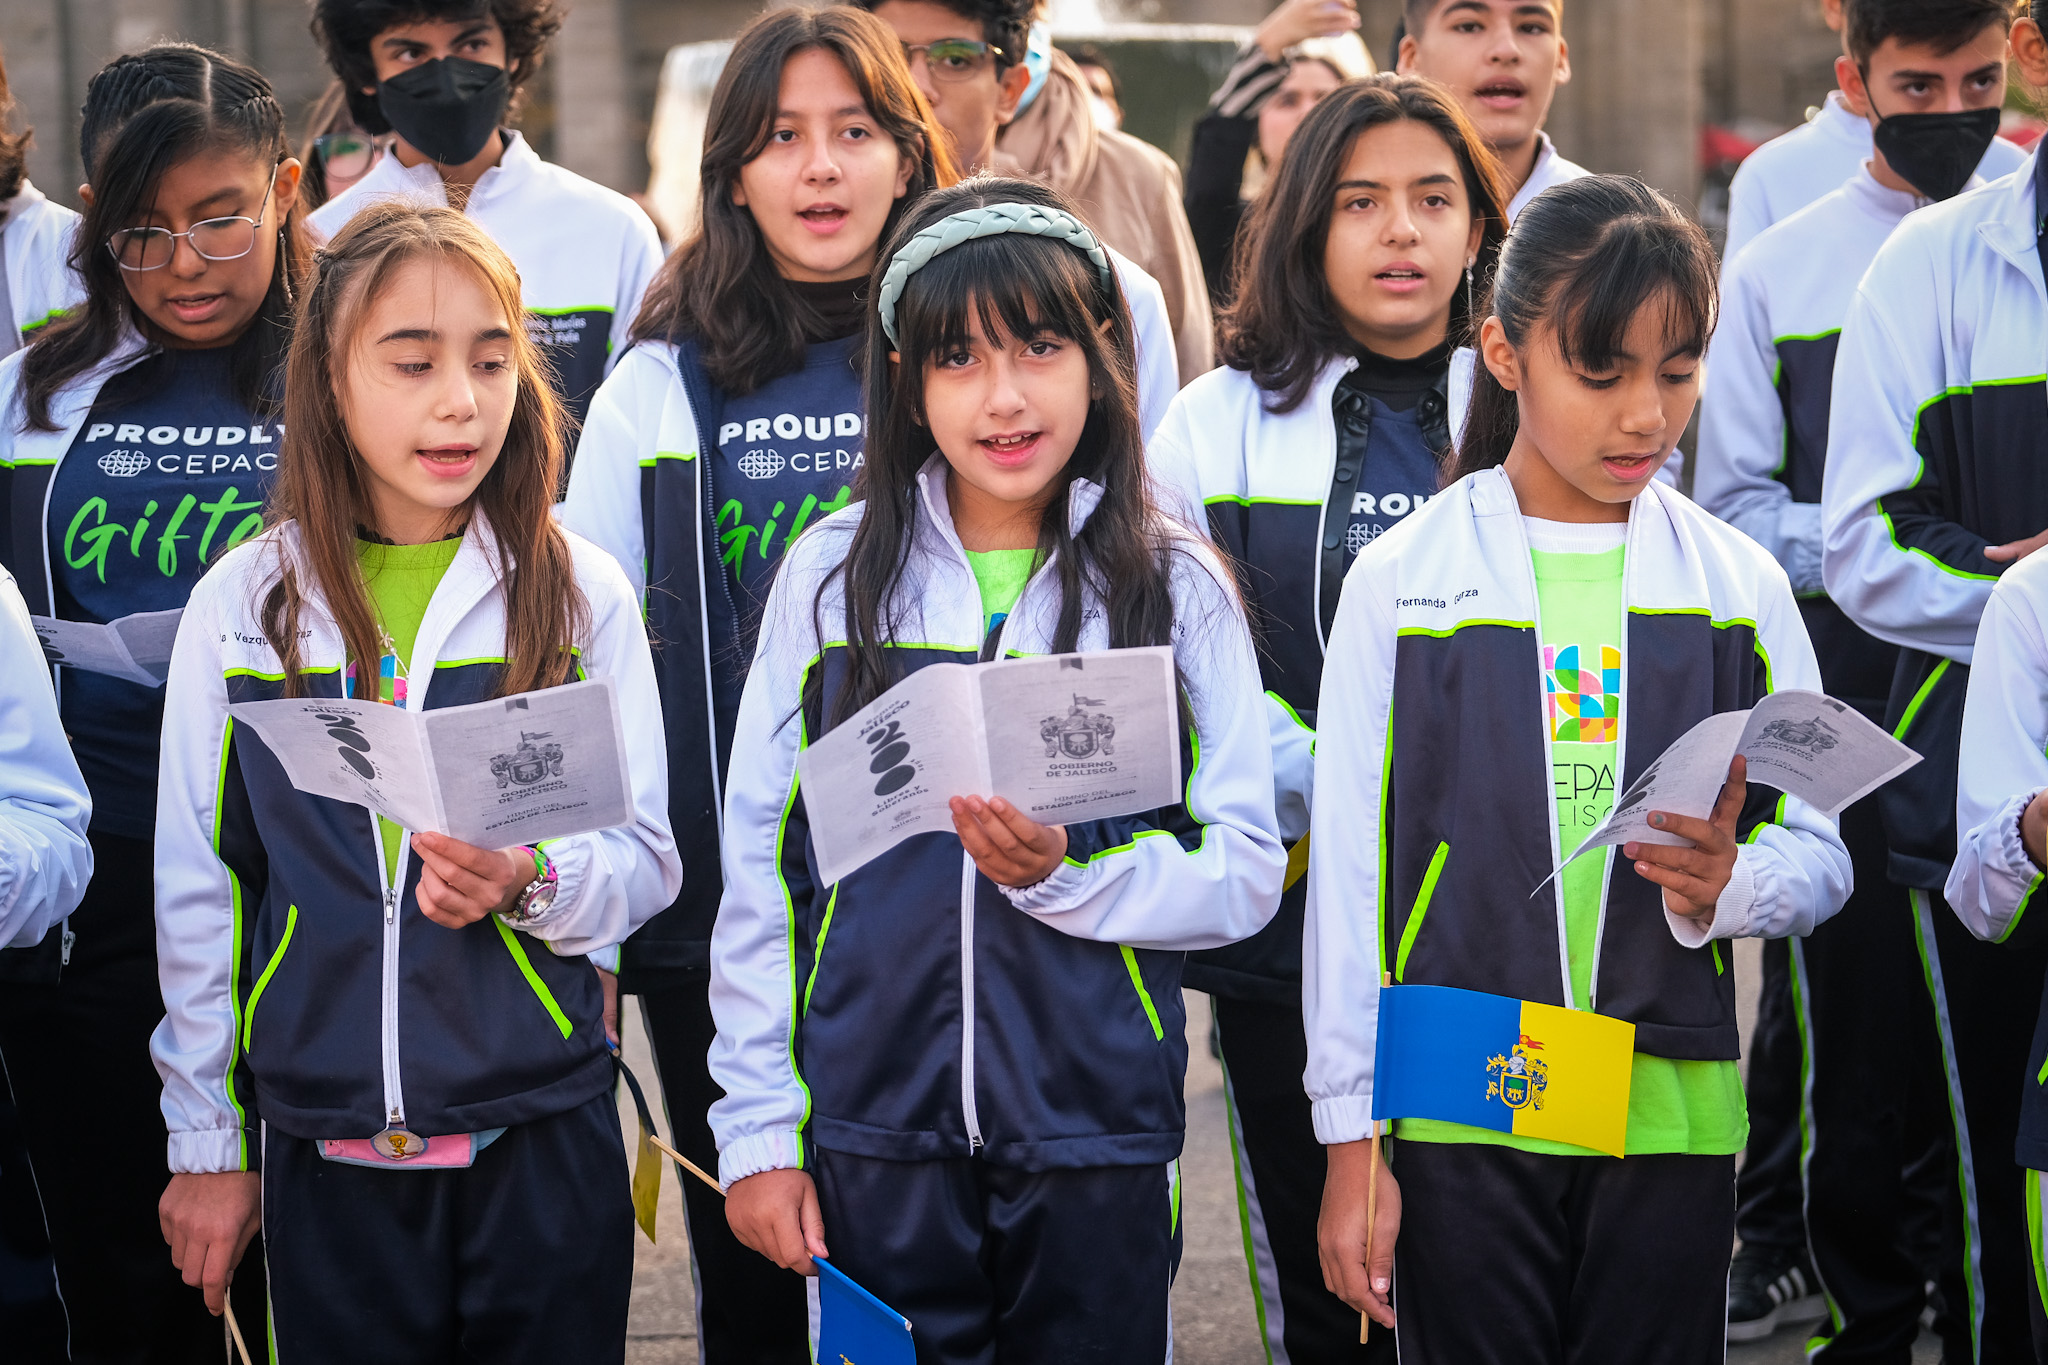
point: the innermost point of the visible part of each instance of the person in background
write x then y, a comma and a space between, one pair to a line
1106, 96
1325, 428
37, 279
734, 424
138, 435
441, 76
1505, 59
335, 152
967, 58
1127, 190
1933, 489
1929, 66
1793, 169
1279, 74
45, 856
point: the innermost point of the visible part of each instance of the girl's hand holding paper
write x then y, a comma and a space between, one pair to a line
461, 883
1694, 877
1009, 847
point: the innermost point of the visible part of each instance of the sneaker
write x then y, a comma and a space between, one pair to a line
1769, 1287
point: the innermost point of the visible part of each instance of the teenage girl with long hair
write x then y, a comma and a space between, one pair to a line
1325, 428
735, 423
412, 1018
138, 432
1502, 664
960, 1067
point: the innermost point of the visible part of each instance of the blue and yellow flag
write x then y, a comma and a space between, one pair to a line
1491, 1061
855, 1327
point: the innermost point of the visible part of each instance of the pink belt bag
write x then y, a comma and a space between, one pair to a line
399, 1150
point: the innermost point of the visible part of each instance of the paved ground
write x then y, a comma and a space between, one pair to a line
1214, 1323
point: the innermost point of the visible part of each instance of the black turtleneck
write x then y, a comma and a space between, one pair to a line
839, 308
1399, 383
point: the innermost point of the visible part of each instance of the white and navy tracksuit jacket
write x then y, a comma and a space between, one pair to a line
1764, 422
1994, 881
36, 237
917, 1011
1936, 450
302, 989
45, 861
1793, 169
585, 253
1428, 766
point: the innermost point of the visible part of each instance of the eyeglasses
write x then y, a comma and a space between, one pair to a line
347, 156
216, 239
953, 59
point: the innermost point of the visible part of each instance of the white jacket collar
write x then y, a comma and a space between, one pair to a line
1839, 122
2011, 222
1884, 204
390, 177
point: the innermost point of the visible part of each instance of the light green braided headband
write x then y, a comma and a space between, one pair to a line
992, 220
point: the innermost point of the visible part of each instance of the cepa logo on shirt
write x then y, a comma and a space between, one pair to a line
125, 462
766, 462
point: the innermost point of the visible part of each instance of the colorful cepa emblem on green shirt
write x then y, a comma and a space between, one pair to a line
1584, 703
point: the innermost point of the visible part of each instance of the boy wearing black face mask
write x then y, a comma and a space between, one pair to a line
1930, 75
441, 74
1934, 485
1792, 170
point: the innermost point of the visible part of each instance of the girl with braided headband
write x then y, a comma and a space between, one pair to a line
138, 434
974, 1104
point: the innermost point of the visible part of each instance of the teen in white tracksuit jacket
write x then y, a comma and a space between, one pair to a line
1935, 453
1995, 880
36, 236
293, 968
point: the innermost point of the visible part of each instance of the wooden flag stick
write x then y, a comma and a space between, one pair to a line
685, 1162
1372, 1212
235, 1329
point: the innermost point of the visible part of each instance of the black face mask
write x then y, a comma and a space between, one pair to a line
1936, 153
446, 108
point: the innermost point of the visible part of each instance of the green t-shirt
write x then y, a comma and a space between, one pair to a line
1693, 1107
1001, 576
400, 580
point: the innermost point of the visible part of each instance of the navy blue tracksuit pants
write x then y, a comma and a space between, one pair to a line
524, 1256
991, 1263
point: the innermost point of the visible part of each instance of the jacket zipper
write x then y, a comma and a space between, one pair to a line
394, 1092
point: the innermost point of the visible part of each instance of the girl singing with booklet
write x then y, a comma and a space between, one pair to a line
960, 1068
138, 432
733, 425
1502, 663
412, 1017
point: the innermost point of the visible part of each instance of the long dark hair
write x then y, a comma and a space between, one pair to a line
320, 482
145, 113
1282, 324
719, 287
1584, 258
1019, 286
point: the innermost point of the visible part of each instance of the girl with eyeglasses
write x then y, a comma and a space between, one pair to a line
336, 152
138, 433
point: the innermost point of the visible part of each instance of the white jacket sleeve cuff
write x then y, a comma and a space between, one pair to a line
1731, 911
2016, 862
777, 1150
206, 1152
1342, 1118
1058, 890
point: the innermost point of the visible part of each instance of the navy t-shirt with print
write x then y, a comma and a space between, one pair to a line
1397, 476
168, 473
786, 457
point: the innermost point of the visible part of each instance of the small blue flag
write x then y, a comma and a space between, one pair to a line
855, 1327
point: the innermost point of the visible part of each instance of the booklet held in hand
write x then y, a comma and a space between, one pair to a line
498, 773
137, 648
1806, 744
1061, 737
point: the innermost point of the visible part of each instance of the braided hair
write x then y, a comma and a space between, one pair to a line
144, 113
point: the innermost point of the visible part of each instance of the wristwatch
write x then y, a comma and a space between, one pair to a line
539, 896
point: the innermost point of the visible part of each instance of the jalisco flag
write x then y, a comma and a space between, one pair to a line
1511, 1065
